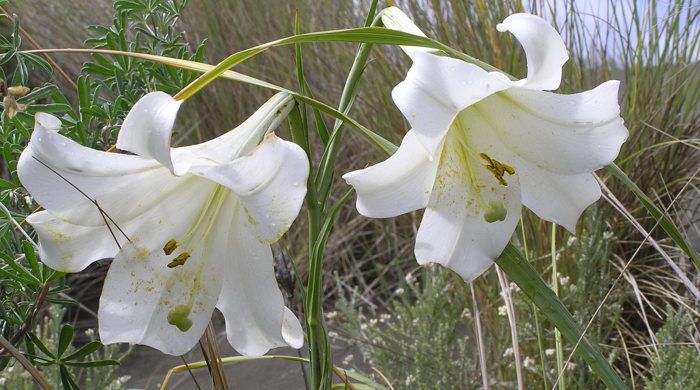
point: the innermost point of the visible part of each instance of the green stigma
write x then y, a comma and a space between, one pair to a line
179, 317
495, 211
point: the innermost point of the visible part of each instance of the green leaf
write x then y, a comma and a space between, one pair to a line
60, 301
39, 93
37, 342
67, 380
526, 277
21, 271
374, 35
7, 185
55, 275
658, 214
32, 260
52, 107
83, 351
64, 339
96, 363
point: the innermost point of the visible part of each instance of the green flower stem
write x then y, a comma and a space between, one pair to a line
528, 279
555, 288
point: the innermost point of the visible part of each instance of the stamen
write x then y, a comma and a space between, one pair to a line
179, 260
497, 168
169, 247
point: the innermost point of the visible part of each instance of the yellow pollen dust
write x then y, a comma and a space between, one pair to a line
497, 168
169, 247
179, 260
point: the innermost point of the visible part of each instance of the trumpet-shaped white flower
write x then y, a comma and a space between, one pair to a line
482, 145
189, 228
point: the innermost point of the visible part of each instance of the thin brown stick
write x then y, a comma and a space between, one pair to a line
213, 358
53, 63
25, 362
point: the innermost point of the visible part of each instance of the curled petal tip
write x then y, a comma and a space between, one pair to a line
47, 121
292, 333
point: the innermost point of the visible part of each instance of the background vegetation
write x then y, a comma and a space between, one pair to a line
418, 326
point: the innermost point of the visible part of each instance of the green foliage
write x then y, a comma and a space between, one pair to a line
94, 364
421, 341
677, 364
105, 93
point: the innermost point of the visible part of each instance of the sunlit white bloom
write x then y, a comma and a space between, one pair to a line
482, 145
189, 228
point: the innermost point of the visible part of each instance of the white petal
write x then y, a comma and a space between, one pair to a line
567, 134
395, 19
292, 332
557, 198
68, 247
553, 197
398, 185
141, 292
250, 299
271, 185
148, 126
235, 143
437, 88
453, 231
544, 48
65, 177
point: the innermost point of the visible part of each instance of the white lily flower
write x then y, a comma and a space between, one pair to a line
189, 228
482, 145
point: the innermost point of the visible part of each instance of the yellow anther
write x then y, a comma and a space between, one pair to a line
497, 168
169, 247
179, 260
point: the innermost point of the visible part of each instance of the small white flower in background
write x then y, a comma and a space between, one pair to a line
90, 333
482, 145
508, 352
502, 311
384, 317
399, 291
514, 287
189, 228
363, 326
550, 351
608, 235
410, 278
348, 359
373, 322
564, 280
410, 379
332, 335
528, 361
331, 315
123, 379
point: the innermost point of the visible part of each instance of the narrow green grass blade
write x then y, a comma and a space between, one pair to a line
383, 144
528, 279
657, 213
370, 35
